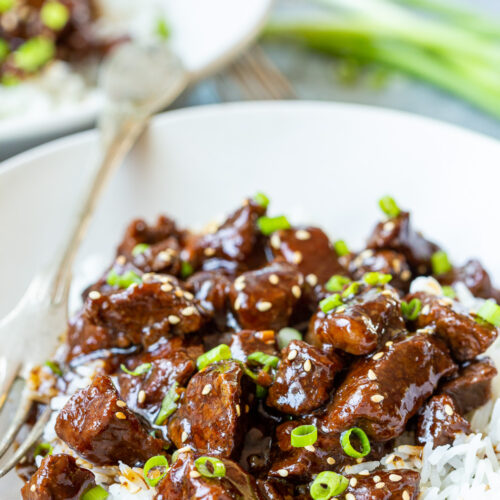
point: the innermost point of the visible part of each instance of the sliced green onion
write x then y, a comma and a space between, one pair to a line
219, 353
336, 283
448, 292
347, 446
269, 225
139, 248
286, 335
9, 80
219, 469
43, 449
6, 5
162, 28
261, 199
54, 368
168, 405
260, 391
490, 312
54, 15
411, 309
440, 263
4, 50
330, 303
122, 281
95, 493
376, 278
140, 370
34, 53
304, 435
352, 289
186, 269
152, 463
389, 206
262, 358
341, 248
327, 485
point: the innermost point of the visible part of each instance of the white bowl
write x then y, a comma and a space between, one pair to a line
323, 163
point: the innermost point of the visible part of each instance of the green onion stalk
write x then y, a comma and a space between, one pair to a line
438, 50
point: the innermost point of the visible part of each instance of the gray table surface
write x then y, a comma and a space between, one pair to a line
316, 77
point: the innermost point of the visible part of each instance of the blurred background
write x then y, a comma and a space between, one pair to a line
437, 58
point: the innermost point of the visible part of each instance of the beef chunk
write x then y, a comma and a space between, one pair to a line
183, 482
475, 277
246, 342
310, 250
381, 393
471, 388
397, 484
146, 312
439, 422
362, 324
466, 337
304, 379
212, 414
58, 478
265, 298
397, 234
99, 427
171, 361
301, 464
382, 261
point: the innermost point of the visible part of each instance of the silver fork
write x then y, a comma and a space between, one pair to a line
257, 77
137, 81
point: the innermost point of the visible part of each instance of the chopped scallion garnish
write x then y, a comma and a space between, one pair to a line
411, 309
269, 225
448, 292
341, 248
261, 199
139, 248
286, 335
260, 391
330, 303
304, 435
140, 370
162, 28
186, 269
352, 289
160, 465
95, 493
54, 15
389, 206
219, 353
376, 279
34, 53
264, 359
328, 484
336, 283
490, 312
43, 449
218, 469
4, 50
54, 367
6, 5
349, 448
168, 405
122, 281
440, 263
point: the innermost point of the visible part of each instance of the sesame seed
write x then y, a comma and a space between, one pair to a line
33, 488
390, 458
292, 354
448, 410
194, 474
364, 472
179, 293
237, 303
274, 279
389, 343
275, 241
380, 485
372, 375
386, 293
206, 390
184, 449
353, 482
396, 265
209, 252
395, 478
377, 398
238, 410
188, 311
247, 408
173, 319
121, 404
340, 310
389, 226
366, 254
121, 260
378, 356
310, 448
297, 257
239, 285
312, 279
263, 306
307, 365
302, 234
120, 415
359, 460
188, 296
283, 472
350, 496
330, 460
426, 309
296, 291
141, 397
376, 479
94, 295
405, 275
164, 256
405, 495
166, 287
184, 436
